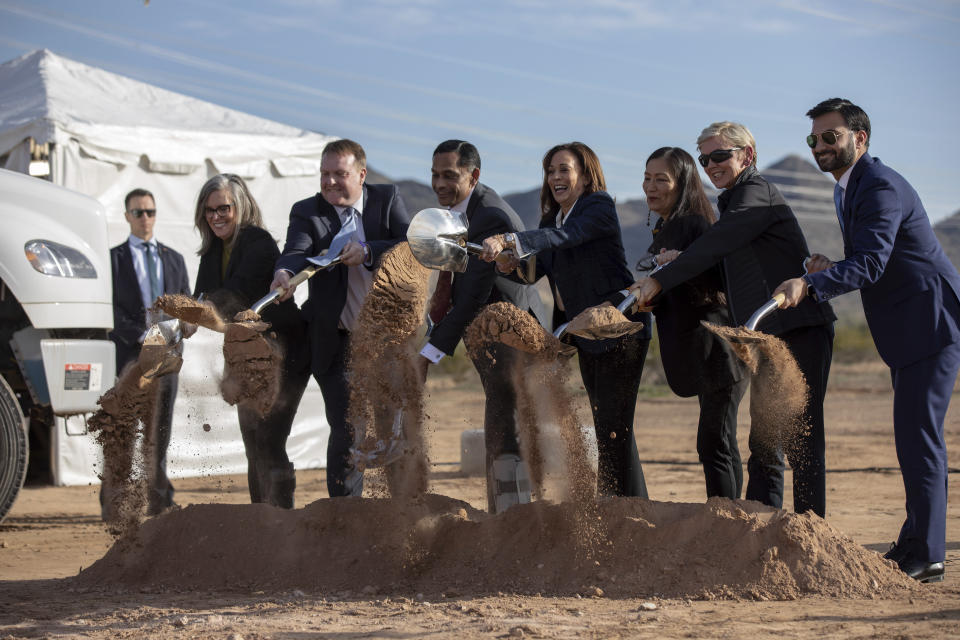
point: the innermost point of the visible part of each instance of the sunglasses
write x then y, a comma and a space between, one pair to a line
222, 210
828, 137
139, 213
717, 155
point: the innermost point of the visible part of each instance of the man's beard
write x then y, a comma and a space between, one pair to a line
833, 160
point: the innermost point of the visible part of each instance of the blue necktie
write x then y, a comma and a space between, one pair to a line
838, 203
152, 271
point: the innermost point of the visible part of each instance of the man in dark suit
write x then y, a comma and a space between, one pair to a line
455, 177
909, 290
144, 269
374, 219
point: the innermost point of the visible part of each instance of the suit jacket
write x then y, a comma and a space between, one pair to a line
129, 314
584, 260
908, 285
487, 215
759, 244
313, 224
248, 276
694, 358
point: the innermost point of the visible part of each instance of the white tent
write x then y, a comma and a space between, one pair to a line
108, 134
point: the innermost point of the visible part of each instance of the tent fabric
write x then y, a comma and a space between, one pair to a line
111, 134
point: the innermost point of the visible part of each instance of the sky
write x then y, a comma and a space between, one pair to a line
516, 77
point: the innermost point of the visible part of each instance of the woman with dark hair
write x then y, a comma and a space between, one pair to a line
695, 360
757, 243
579, 248
237, 256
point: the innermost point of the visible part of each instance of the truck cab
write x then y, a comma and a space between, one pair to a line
55, 315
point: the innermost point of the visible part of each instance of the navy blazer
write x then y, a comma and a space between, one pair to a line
129, 314
759, 244
481, 284
313, 224
908, 285
584, 260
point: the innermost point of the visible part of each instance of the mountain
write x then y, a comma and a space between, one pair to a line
948, 232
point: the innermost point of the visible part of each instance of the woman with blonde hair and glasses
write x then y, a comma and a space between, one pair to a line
236, 267
580, 249
758, 244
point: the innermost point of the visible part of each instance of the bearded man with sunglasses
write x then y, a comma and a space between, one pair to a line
144, 269
909, 290
758, 243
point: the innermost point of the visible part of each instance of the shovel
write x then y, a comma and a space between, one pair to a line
438, 240
158, 355
603, 331
748, 333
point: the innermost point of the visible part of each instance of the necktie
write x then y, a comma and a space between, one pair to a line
152, 271
838, 202
442, 297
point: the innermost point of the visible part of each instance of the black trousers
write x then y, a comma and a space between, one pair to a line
717, 440
342, 478
612, 381
269, 471
813, 349
494, 366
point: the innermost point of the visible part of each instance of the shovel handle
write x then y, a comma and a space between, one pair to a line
628, 301
765, 310
294, 281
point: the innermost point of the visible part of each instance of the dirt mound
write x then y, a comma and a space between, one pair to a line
503, 322
721, 549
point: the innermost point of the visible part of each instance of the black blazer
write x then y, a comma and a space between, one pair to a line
248, 277
584, 260
487, 215
694, 359
129, 314
313, 224
759, 244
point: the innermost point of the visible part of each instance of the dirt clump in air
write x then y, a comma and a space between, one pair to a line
386, 391
602, 321
504, 322
720, 550
252, 361
778, 389
126, 411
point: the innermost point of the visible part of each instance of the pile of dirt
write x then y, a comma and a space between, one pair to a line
718, 550
187, 309
778, 389
385, 385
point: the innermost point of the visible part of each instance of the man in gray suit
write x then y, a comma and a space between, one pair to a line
456, 181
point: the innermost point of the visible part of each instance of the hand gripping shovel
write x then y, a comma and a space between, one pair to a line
438, 240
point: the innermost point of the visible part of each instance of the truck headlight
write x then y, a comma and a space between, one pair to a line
55, 259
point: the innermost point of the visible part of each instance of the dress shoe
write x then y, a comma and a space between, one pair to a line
921, 570
896, 553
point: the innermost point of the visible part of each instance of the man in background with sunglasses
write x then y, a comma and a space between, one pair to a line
143, 269
909, 290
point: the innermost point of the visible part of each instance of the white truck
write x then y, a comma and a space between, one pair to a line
55, 313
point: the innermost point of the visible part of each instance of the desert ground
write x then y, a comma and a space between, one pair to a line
53, 533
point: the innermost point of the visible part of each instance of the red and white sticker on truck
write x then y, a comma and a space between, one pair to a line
82, 377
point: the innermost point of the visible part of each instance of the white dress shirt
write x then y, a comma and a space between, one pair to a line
139, 255
359, 278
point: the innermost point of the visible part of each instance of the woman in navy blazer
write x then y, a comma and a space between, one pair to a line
580, 250
236, 267
695, 360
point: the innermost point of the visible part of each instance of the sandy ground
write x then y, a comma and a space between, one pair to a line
53, 532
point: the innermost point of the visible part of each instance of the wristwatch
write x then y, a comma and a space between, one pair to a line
510, 240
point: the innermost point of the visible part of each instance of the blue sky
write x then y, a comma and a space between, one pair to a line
518, 76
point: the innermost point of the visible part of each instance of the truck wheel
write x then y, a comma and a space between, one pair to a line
13, 448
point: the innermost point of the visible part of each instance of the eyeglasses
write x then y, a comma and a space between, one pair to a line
223, 210
139, 213
829, 137
717, 155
